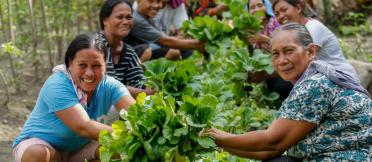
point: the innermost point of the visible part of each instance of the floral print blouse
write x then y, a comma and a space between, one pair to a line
343, 119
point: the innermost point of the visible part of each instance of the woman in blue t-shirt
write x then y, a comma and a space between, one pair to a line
326, 117
65, 122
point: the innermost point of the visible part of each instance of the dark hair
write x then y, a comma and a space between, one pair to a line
302, 34
82, 41
304, 10
107, 8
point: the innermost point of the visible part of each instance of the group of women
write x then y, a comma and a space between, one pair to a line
326, 117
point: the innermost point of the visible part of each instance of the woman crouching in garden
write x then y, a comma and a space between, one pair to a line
326, 117
63, 124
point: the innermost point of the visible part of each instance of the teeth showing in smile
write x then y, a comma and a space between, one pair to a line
124, 28
88, 81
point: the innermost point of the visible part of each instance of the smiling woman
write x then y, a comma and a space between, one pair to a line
121, 60
326, 117
327, 45
62, 126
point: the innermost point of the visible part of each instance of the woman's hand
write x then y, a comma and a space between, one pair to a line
149, 91
258, 38
200, 46
217, 134
218, 10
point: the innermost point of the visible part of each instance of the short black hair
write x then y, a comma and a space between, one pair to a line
107, 8
82, 41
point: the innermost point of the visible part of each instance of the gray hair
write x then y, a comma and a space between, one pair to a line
302, 34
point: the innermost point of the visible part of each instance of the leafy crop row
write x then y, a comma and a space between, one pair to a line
159, 129
196, 94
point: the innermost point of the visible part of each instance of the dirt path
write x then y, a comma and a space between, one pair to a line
14, 115
5, 149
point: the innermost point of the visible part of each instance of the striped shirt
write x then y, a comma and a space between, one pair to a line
129, 70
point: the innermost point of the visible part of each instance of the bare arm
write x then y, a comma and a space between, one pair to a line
77, 119
179, 43
218, 10
124, 102
259, 38
281, 135
135, 91
262, 155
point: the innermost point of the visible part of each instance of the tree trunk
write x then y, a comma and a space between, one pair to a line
19, 22
69, 21
89, 21
11, 33
78, 19
6, 88
59, 44
46, 27
5, 35
61, 32
328, 15
36, 59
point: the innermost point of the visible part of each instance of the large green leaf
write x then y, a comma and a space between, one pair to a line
205, 142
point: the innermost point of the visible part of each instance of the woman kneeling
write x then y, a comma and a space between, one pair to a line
326, 117
64, 124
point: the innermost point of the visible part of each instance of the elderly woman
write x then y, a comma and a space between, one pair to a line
328, 47
63, 126
326, 117
122, 62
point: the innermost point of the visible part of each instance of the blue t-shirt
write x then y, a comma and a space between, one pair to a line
58, 94
343, 119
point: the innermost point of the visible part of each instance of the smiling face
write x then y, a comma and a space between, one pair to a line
120, 22
87, 69
149, 8
285, 12
290, 59
257, 6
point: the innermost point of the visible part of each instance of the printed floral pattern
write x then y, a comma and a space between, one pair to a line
343, 118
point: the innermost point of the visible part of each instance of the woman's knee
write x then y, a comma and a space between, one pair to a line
173, 54
39, 153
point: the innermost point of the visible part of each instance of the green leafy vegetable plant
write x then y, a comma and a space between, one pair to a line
155, 129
